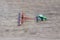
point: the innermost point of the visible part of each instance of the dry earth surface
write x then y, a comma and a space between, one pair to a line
30, 30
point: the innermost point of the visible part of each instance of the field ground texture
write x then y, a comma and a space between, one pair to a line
30, 30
